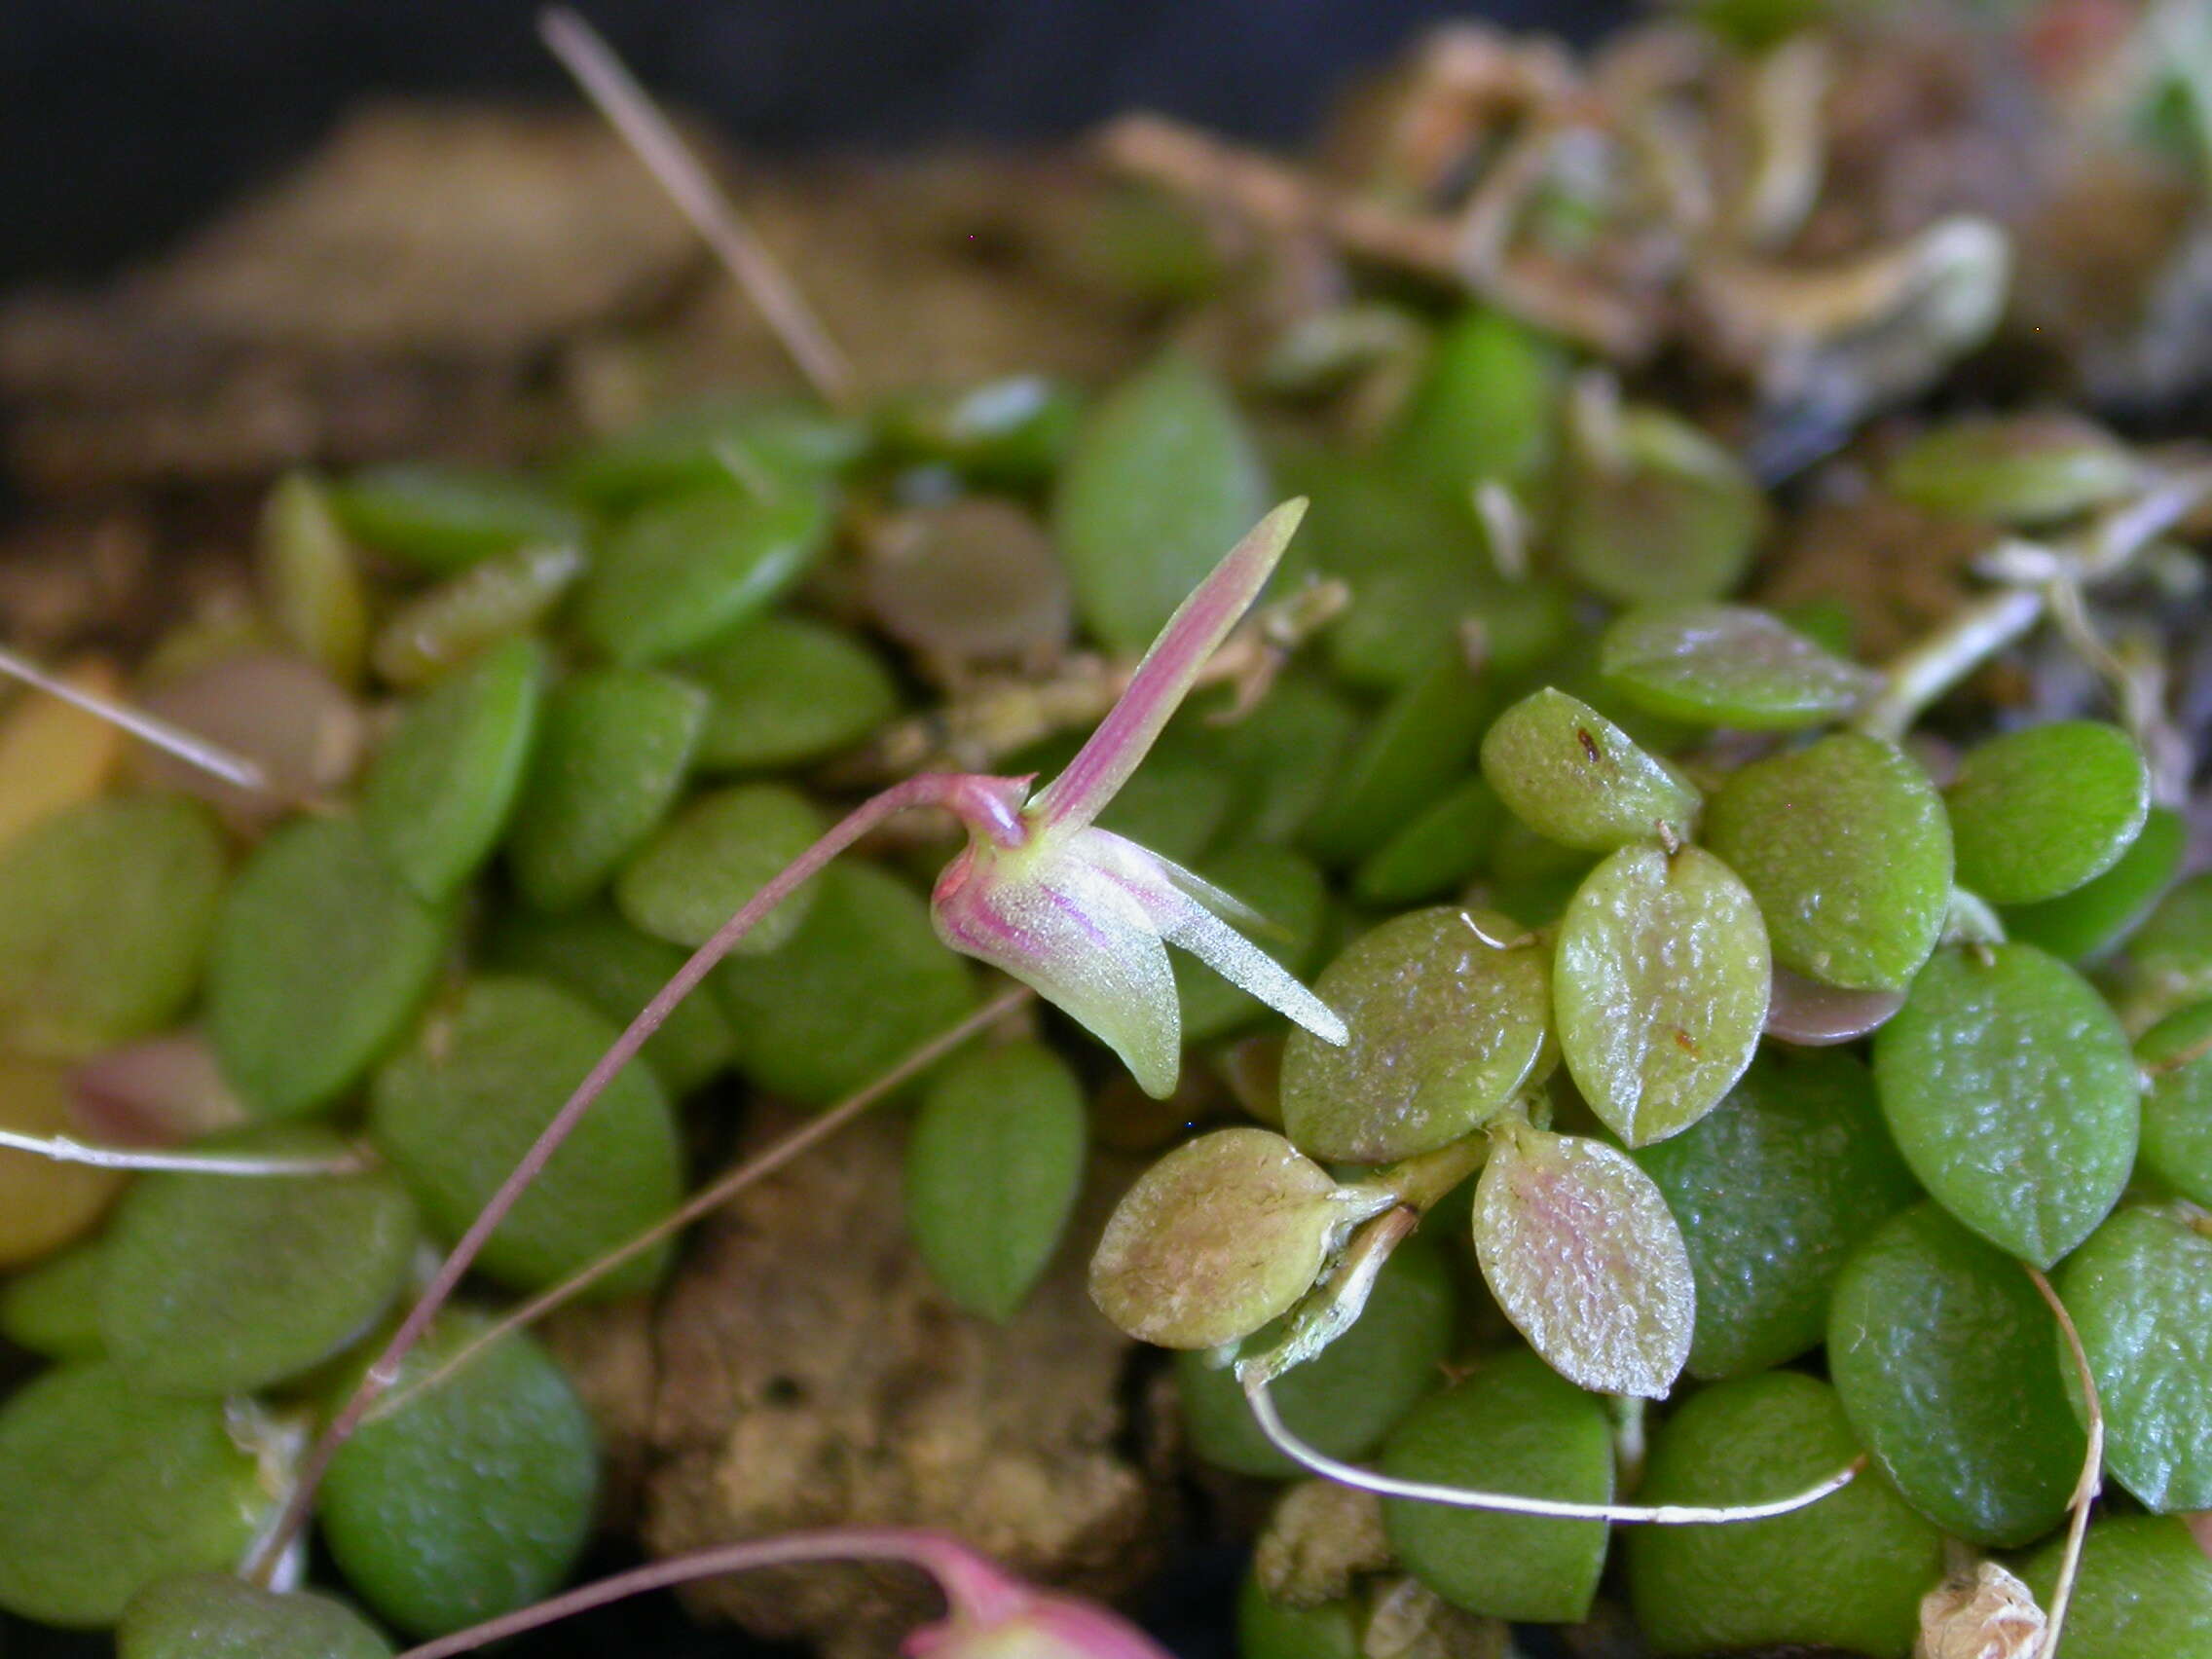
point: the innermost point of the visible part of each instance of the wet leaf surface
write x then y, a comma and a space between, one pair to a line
1729, 665
1572, 775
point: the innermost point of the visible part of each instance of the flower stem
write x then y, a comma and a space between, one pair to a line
711, 1197
2091, 1479
976, 1590
932, 788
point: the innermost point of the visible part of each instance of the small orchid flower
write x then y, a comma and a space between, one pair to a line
1084, 916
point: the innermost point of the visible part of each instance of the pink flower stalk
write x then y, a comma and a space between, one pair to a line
1084, 916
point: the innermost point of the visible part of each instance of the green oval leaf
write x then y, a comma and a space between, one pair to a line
1940, 1348
470, 1499
1407, 756
1512, 1426
2177, 1111
2140, 1292
2040, 812
1344, 1399
104, 1490
794, 442
1846, 848
1162, 479
216, 1615
1570, 774
1660, 988
2169, 961
2145, 1588
1486, 407
310, 580
456, 1109
707, 862
438, 797
679, 572
105, 911
612, 752
1439, 850
2084, 923
787, 691
1577, 1245
429, 635
443, 518
1729, 665
1449, 1014
1653, 510
862, 982
2009, 1088
220, 1284
992, 1172
316, 935
1846, 1573
1215, 1240
2016, 469
1772, 1189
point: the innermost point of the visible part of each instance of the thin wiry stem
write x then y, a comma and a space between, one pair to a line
713, 1197
974, 1589
171, 739
631, 111
2091, 1479
1514, 1503
1947, 656
932, 788
61, 1149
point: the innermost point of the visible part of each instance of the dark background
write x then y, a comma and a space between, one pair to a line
124, 122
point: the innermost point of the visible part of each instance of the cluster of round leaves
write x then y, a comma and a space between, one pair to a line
1771, 1046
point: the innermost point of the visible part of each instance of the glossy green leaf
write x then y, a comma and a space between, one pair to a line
217, 1284
437, 796
1729, 665
2009, 1088
1162, 479
432, 633
1268, 1629
2140, 1292
1439, 850
685, 450
2177, 1109
440, 519
2145, 1588
1846, 1573
1772, 1189
992, 1172
1013, 431
1407, 759
2040, 812
594, 955
679, 572
315, 936
1580, 1248
53, 1308
1653, 511
1280, 886
1659, 989
1487, 406
787, 691
1942, 1351
310, 580
1570, 774
105, 913
862, 982
104, 1489
1512, 1426
456, 1109
1846, 847
1215, 1240
613, 750
705, 863
2084, 923
472, 1499
1345, 1399
218, 1615
1450, 1014
2014, 470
